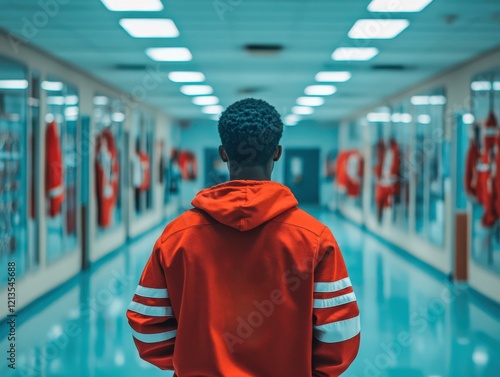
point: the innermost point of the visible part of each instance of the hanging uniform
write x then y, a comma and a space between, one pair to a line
380, 152
388, 185
115, 164
486, 172
54, 170
104, 182
354, 173
470, 177
141, 171
342, 171
331, 165
188, 165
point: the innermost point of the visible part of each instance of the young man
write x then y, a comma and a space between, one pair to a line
246, 284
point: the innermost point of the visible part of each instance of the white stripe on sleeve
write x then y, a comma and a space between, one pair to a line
337, 332
153, 311
151, 292
154, 338
332, 287
336, 301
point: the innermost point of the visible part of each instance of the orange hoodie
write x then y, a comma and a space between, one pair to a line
246, 285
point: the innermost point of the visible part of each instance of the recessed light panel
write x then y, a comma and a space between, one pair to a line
320, 90
310, 101
169, 54
354, 53
52, 86
377, 29
196, 90
398, 6
333, 76
302, 110
205, 100
186, 76
213, 110
149, 28
133, 5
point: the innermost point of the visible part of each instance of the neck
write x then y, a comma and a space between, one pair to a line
254, 173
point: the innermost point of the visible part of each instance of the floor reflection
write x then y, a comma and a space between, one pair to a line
414, 322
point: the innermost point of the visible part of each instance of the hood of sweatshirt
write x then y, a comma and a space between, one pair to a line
245, 205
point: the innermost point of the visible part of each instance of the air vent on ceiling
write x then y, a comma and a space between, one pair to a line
390, 67
131, 67
263, 49
249, 91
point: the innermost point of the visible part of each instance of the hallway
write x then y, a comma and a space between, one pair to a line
409, 314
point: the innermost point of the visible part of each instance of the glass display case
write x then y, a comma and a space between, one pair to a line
109, 118
61, 167
400, 143
483, 165
142, 161
14, 192
427, 167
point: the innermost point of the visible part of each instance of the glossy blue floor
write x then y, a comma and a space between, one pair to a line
414, 323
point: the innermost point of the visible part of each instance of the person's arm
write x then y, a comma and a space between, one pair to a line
335, 314
150, 315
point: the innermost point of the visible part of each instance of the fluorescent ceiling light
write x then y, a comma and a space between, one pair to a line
377, 29
55, 100
424, 119
118, 117
205, 100
292, 120
333, 76
196, 90
437, 100
354, 53
71, 111
478, 86
52, 86
468, 118
310, 101
13, 84
169, 54
428, 100
133, 5
378, 117
401, 118
398, 5
149, 28
320, 90
186, 76
101, 100
215, 117
302, 110
215, 110
71, 100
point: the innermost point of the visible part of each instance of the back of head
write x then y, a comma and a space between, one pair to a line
250, 131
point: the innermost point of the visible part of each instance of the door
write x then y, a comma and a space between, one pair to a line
302, 174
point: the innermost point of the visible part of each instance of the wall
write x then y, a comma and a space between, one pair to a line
47, 277
456, 82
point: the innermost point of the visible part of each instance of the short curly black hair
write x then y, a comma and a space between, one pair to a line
250, 131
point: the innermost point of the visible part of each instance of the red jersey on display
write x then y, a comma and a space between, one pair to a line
470, 179
106, 177
246, 284
54, 170
388, 185
188, 165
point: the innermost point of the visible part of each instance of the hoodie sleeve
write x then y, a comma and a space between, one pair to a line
151, 317
336, 321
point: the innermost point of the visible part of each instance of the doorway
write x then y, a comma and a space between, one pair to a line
302, 174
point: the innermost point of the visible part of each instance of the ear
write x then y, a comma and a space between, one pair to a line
223, 154
278, 153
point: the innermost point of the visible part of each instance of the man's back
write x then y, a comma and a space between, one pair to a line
246, 284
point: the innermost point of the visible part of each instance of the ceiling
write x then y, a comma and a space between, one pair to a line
86, 34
